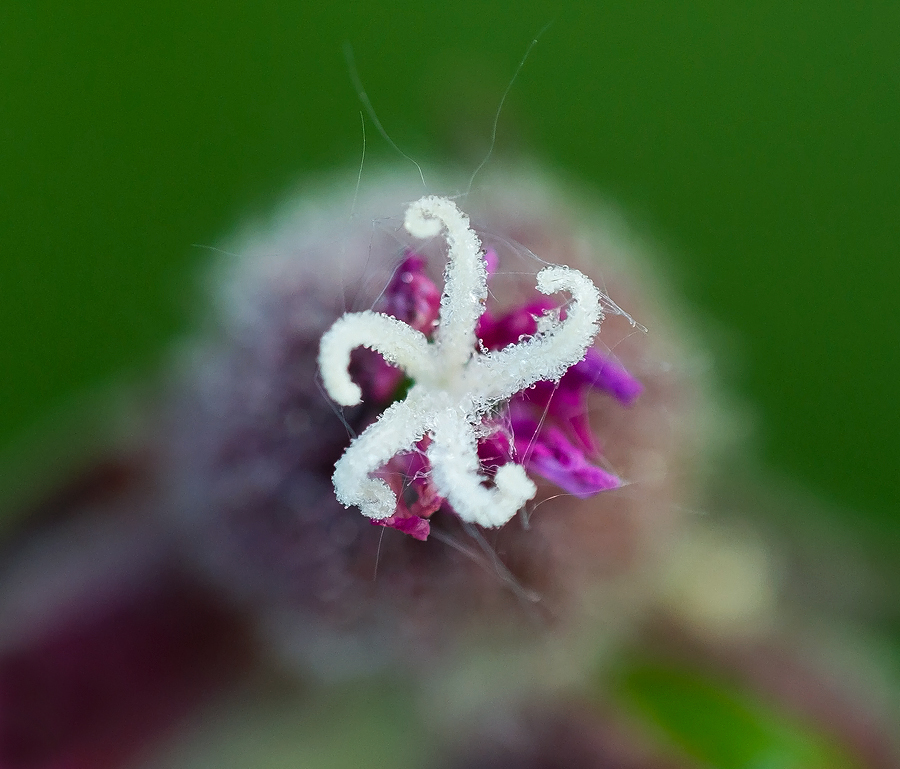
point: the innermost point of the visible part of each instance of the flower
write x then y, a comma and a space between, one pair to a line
542, 427
455, 386
251, 438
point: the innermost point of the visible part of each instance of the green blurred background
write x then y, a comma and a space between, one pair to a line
757, 142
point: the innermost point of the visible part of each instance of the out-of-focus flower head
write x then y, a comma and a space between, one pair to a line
255, 439
236, 478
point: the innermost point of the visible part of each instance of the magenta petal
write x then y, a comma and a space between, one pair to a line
378, 378
555, 458
412, 296
563, 404
603, 373
494, 451
409, 477
581, 428
416, 472
497, 333
429, 501
417, 528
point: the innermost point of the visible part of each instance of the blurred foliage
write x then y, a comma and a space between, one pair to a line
759, 141
723, 727
370, 724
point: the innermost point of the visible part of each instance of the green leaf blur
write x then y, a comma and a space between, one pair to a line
723, 727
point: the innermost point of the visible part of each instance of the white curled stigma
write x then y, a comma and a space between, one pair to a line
455, 385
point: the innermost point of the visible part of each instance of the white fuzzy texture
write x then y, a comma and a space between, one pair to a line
455, 384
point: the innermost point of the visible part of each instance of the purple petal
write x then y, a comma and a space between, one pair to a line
412, 296
563, 403
377, 378
409, 477
604, 373
497, 333
417, 528
554, 457
495, 450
